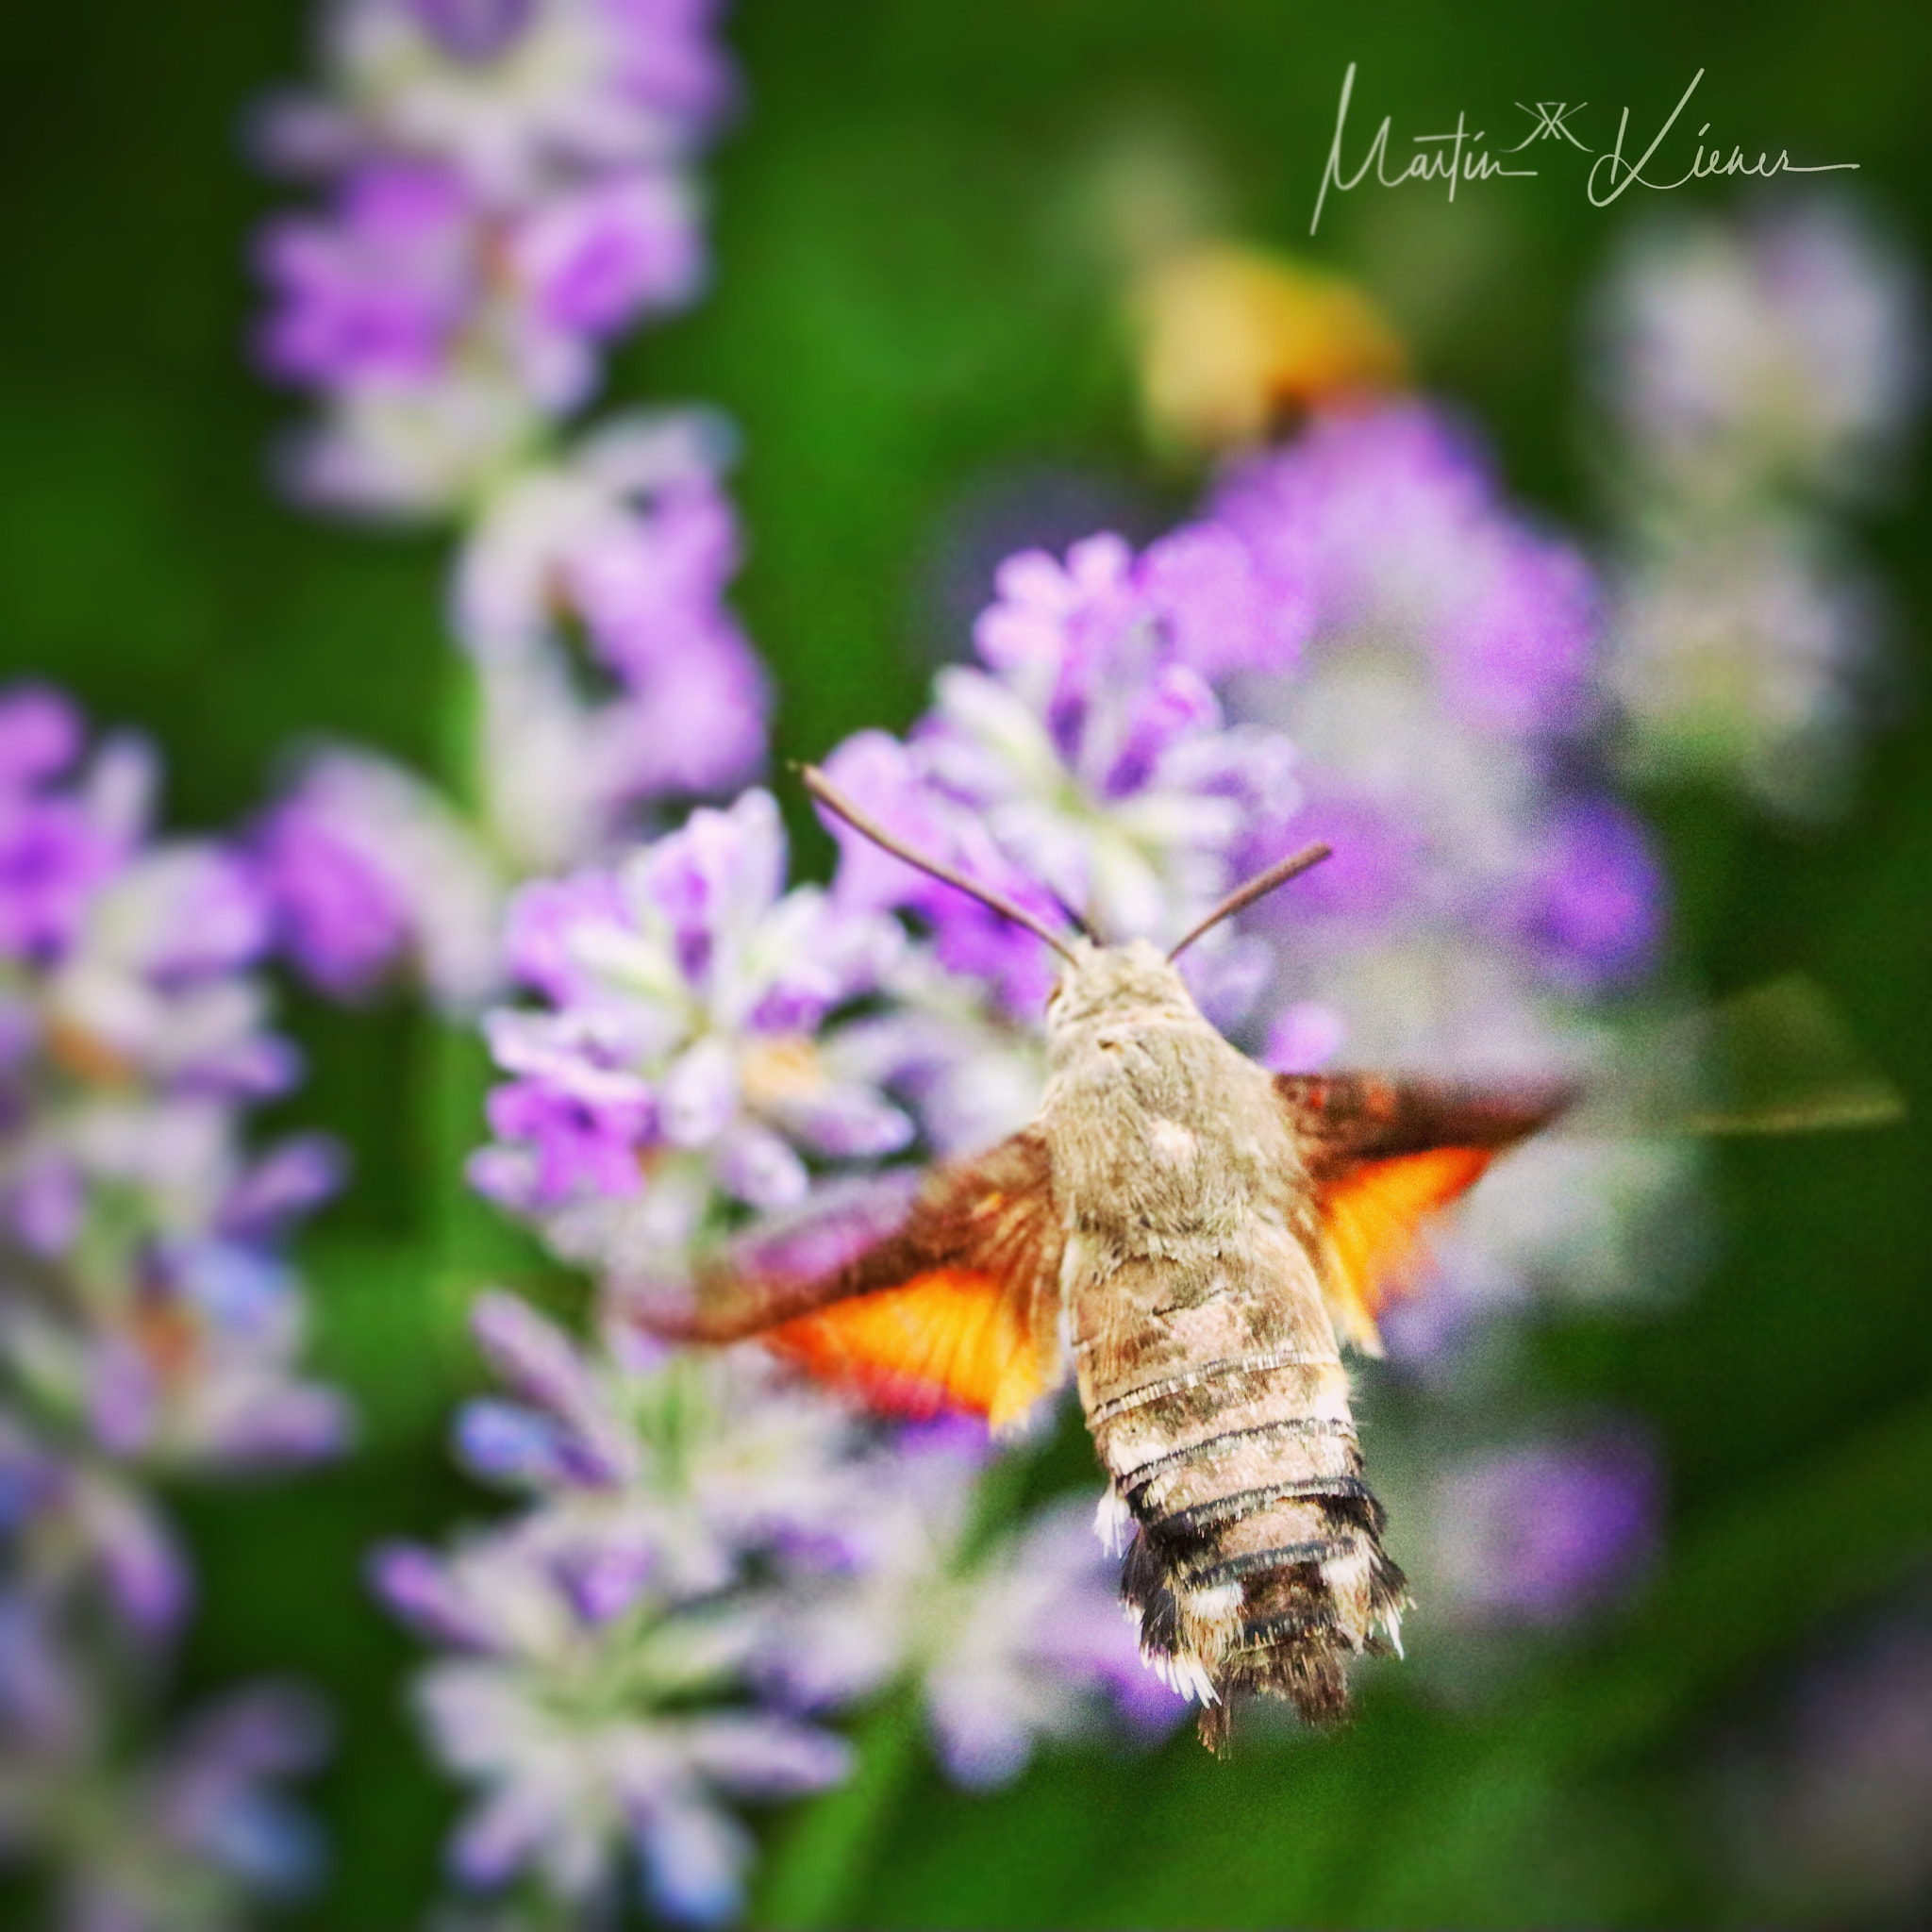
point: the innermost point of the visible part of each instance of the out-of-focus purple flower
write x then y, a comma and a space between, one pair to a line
216, 1792
146, 1325
1015, 1644
514, 93
1593, 909
376, 293
1756, 374
703, 1530
683, 1062
1479, 895
1390, 524
366, 869
1544, 1532
568, 1792
1738, 651
627, 546
411, 275
1089, 762
590, 1627
194, 1834
509, 191
63, 830
1038, 1649
1741, 357
594, 260
1305, 1038
667, 1470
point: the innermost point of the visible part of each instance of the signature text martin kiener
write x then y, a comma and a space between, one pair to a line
1457, 157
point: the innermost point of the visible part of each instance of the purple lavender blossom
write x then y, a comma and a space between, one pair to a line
682, 1064
662, 1468
515, 93
376, 293
627, 545
597, 260
196, 1833
368, 872
61, 832
135, 1041
1453, 646
1022, 1643
587, 1628
1745, 356
1591, 912
1389, 524
1480, 896
1034, 1646
703, 1525
1089, 764
1757, 374
507, 192
1544, 1532
148, 1324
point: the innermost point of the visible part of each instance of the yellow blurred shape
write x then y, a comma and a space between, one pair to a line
1232, 342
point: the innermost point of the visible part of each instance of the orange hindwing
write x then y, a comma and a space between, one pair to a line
952, 1337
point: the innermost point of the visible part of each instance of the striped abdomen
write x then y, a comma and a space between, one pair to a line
1215, 1393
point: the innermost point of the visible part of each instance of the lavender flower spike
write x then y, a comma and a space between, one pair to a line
368, 873
1543, 1532
148, 1324
1086, 765
682, 1057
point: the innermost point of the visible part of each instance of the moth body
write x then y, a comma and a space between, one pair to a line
1207, 1359
1204, 1234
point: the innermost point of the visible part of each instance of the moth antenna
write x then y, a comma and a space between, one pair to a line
1257, 888
1078, 921
837, 803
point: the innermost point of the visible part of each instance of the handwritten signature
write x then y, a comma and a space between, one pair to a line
1457, 157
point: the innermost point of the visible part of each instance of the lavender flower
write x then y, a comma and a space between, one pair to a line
1019, 1642
147, 1324
1476, 905
370, 873
515, 93
628, 544
682, 1065
187, 1840
1089, 763
1739, 358
660, 1467
1543, 1532
1758, 375
581, 1731
508, 193
704, 1530
147, 1313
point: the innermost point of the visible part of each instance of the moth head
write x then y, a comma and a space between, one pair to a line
1097, 979
1105, 982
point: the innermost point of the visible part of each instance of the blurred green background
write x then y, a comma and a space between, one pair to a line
906, 320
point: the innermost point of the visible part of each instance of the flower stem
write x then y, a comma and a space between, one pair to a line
817, 1865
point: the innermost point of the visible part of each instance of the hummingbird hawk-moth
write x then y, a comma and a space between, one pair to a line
1201, 1236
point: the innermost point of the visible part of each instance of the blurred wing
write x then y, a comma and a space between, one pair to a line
1384, 1155
953, 1303
1776, 1058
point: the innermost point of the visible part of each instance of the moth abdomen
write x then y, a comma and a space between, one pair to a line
1200, 1518
1255, 1559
